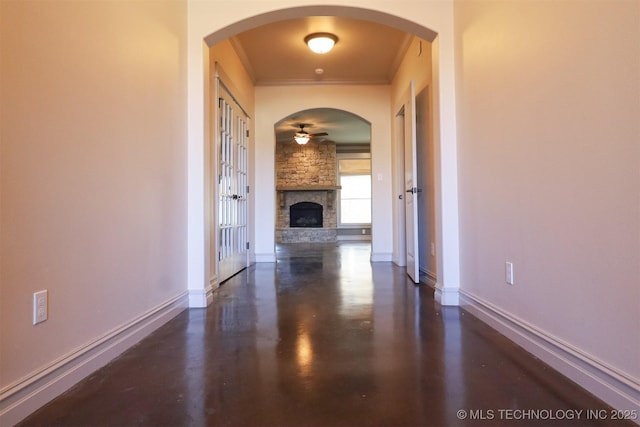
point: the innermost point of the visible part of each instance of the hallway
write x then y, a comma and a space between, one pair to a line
324, 338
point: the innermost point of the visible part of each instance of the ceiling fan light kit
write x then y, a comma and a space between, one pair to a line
321, 42
302, 136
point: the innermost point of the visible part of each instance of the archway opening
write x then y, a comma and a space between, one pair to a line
332, 170
444, 136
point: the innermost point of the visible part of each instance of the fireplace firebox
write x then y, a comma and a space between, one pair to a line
305, 214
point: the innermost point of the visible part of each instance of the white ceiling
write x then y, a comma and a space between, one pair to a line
366, 53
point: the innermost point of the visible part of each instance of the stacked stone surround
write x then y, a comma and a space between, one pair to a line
299, 168
305, 165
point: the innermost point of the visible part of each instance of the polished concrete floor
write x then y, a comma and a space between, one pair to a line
323, 338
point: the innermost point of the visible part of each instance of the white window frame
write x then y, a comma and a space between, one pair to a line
349, 156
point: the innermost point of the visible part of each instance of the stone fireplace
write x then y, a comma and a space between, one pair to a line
306, 192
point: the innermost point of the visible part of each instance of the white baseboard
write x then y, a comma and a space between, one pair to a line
618, 389
23, 397
200, 298
264, 257
399, 259
446, 296
354, 237
427, 277
400, 262
381, 256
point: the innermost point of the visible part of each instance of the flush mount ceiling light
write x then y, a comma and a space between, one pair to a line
321, 42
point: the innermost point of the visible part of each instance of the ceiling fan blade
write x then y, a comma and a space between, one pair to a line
320, 134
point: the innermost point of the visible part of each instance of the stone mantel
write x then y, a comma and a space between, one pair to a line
308, 188
282, 190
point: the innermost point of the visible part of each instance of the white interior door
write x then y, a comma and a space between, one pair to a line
232, 146
411, 184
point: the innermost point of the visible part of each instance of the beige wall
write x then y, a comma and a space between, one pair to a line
93, 171
549, 158
415, 65
235, 75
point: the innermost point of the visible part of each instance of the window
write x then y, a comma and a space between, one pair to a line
355, 195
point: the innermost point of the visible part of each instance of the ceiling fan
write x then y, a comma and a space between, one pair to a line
302, 136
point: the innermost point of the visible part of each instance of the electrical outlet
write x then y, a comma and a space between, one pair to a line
40, 303
433, 249
508, 272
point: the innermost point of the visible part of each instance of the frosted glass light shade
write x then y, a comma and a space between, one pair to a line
301, 138
321, 42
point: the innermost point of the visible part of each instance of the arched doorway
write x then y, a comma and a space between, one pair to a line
331, 170
206, 18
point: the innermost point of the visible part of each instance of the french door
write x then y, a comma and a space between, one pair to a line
232, 204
